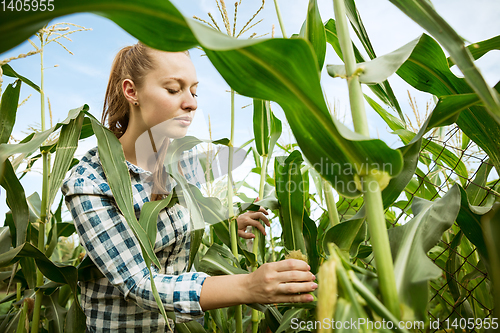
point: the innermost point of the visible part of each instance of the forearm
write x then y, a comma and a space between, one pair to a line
223, 291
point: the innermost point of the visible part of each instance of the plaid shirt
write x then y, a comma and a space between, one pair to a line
123, 300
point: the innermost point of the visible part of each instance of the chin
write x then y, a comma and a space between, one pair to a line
177, 134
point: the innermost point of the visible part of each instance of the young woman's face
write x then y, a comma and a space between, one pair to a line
167, 97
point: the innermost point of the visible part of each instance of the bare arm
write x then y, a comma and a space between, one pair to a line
277, 282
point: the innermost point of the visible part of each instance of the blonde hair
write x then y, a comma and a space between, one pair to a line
133, 63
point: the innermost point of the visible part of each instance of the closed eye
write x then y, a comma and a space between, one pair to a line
172, 91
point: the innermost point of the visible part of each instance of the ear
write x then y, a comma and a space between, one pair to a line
129, 90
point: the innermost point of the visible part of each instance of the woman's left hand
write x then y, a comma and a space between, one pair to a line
250, 218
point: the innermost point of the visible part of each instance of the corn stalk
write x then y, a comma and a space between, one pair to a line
43, 210
370, 185
233, 226
278, 13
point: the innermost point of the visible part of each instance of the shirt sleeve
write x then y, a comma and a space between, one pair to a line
113, 247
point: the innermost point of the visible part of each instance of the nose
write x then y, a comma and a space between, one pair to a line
189, 103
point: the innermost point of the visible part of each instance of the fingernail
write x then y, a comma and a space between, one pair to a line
314, 285
314, 277
310, 298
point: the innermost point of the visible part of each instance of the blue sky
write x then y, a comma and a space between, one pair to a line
82, 78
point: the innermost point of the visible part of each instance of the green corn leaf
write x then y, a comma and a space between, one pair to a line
427, 70
281, 70
117, 174
310, 232
313, 30
411, 242
8, 71
202, 209
299, 314
424, 14
214, 262
344, 235
54, 313
446, 111
291, 197
261, 126
58, 273
196, 238
359, 28
491, 233
116, 170
393, 122
221, 229
441, 154
452, 266
66, 147
75, 319
475, 191
477, 50
384, 90
380, 68
469, 220
8, 110
149, 216
34, 141
16, 200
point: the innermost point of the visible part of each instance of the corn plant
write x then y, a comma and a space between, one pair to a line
376, 272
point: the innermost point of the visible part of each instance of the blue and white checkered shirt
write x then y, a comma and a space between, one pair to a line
123, 300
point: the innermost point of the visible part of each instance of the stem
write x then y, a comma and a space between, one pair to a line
256, 232
278, 13
42, 93
43, 209
346, 285
373, 301
371, 188
273, 258
333, 214
22, 319
18, 291
233, 226
355, 94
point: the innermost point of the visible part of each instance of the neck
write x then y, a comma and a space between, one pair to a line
128, 143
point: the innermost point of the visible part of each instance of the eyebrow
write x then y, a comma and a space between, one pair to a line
180, 80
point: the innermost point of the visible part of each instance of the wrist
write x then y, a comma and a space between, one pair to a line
244, 284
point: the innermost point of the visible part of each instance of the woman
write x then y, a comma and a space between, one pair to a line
154, 92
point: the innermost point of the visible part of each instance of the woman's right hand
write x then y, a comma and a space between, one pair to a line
281, 282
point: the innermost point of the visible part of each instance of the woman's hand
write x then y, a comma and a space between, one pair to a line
281, 282
275, 282
250, 218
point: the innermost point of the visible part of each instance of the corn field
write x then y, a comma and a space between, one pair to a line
402, 240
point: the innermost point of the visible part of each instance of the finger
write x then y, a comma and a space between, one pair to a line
263, 210
258, 225
295, 276
303, 298
291, 265
259, 216
245, 235
294, 288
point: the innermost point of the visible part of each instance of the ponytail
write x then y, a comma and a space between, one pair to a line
131, 62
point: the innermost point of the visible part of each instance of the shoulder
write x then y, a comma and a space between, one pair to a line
87, 176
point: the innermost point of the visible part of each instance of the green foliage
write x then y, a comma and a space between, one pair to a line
284, 71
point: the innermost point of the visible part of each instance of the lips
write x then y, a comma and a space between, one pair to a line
184, 121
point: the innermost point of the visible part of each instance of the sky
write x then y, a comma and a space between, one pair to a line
81, 78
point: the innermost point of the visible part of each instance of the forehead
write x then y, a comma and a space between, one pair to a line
172, 64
